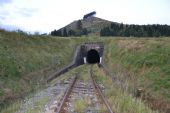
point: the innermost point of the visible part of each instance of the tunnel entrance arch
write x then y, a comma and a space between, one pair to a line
93, 56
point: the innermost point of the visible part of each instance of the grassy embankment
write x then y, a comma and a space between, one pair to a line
142, 65
119, 100
27, 61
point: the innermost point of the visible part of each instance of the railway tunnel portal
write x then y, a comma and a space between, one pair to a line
89, 52
92, 52
92, 57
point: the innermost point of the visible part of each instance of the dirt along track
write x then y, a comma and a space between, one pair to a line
83, 94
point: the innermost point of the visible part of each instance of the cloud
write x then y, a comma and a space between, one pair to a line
13, 12
26, 12
46, 15
12, 15
2, 2
2, 18
9, 27
3, 15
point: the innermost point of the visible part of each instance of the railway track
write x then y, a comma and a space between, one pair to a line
84, 96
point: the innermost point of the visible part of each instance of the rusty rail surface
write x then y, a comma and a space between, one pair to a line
96, 87
66, 94
100, 93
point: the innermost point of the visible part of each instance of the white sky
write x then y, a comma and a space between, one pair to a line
47, 15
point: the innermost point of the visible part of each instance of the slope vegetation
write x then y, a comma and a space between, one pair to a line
142, 66
102, 27
27, 61
139, 67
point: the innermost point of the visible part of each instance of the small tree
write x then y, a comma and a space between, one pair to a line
71, 33
65, 32
84, 31
79, 25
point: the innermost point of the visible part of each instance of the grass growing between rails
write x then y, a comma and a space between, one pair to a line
80, 106
120, 101
142, 64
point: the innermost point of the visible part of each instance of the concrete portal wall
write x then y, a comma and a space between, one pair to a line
79, 57
98, 46
82, 50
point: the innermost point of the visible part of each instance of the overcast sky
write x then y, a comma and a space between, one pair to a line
47, 15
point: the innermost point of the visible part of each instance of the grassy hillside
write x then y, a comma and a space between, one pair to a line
135, 63
27, 61
101, 27
142, 64
90, 26
119, 100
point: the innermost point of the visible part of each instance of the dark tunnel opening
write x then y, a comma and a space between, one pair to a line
93, 56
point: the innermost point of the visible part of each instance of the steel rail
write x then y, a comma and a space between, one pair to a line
100, 93
66, 95
97, 88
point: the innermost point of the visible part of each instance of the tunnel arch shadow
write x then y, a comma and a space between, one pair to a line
93, 56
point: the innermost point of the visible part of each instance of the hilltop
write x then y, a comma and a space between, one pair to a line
101, 27
91, 25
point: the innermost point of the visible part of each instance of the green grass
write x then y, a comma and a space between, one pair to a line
26, 61
39, 106
80, 106
119, 100
154, 57
12, 108
142, 63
